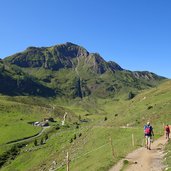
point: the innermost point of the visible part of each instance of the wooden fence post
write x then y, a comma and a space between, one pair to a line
67, 161
113, 154
133, 141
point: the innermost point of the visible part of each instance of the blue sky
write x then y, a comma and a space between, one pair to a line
134, 33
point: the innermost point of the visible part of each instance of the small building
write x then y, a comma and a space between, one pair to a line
42, 124
36, 123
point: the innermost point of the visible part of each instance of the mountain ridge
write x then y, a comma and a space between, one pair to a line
59, 56
70, 70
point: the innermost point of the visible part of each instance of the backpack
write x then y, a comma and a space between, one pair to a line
148, 130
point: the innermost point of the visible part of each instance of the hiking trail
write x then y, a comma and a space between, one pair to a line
143, 159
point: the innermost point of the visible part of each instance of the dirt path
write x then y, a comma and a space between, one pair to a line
143, 159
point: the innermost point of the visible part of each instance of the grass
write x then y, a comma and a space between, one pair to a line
92, 150
36, 156
126, 163
98, 155
14, 121
168, 156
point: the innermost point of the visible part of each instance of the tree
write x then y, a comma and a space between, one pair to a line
131, 95
71, 140
41, 141
46, 137
105, 119
35, 142
75, 137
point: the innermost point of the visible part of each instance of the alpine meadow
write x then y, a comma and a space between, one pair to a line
63, 100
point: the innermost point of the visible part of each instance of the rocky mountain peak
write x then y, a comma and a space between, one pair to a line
60, 56
69, 50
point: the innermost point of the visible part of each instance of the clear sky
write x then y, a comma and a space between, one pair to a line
134, 33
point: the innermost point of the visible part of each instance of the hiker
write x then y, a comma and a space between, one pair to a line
167, 131
148, 131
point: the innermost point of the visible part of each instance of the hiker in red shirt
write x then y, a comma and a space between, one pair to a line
167, 130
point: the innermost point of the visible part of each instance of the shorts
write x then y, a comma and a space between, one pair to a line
148, 138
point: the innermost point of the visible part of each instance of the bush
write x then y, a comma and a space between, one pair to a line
35, 142
71, 140
131, 95
150, 107
46, 137
57, 127
41, 141
75, 137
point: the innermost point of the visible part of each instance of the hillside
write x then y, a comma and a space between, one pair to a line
97, 98
68, 70
15, 82
93, 124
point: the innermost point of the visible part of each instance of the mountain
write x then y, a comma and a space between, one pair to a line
69, 70
61, 56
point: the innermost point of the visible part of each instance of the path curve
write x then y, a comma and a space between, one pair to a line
143, 159
29, 138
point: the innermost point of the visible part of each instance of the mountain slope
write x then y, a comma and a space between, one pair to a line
124, 119
70, 70
16, 82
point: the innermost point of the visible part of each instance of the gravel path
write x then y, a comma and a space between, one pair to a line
143, 159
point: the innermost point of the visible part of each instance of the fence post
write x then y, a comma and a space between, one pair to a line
113, 154
163, 129
133, 141
67, 161
142, 142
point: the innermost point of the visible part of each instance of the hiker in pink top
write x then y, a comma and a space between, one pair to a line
167, 131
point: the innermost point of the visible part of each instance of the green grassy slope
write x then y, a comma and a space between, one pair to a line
17, 113
92, 149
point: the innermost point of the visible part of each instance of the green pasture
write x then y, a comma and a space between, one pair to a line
104, 139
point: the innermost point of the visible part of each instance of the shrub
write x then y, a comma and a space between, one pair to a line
57, 127
35, 142
71, 140
41, 141
46, 137
75, 136
150, 107
131, 95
